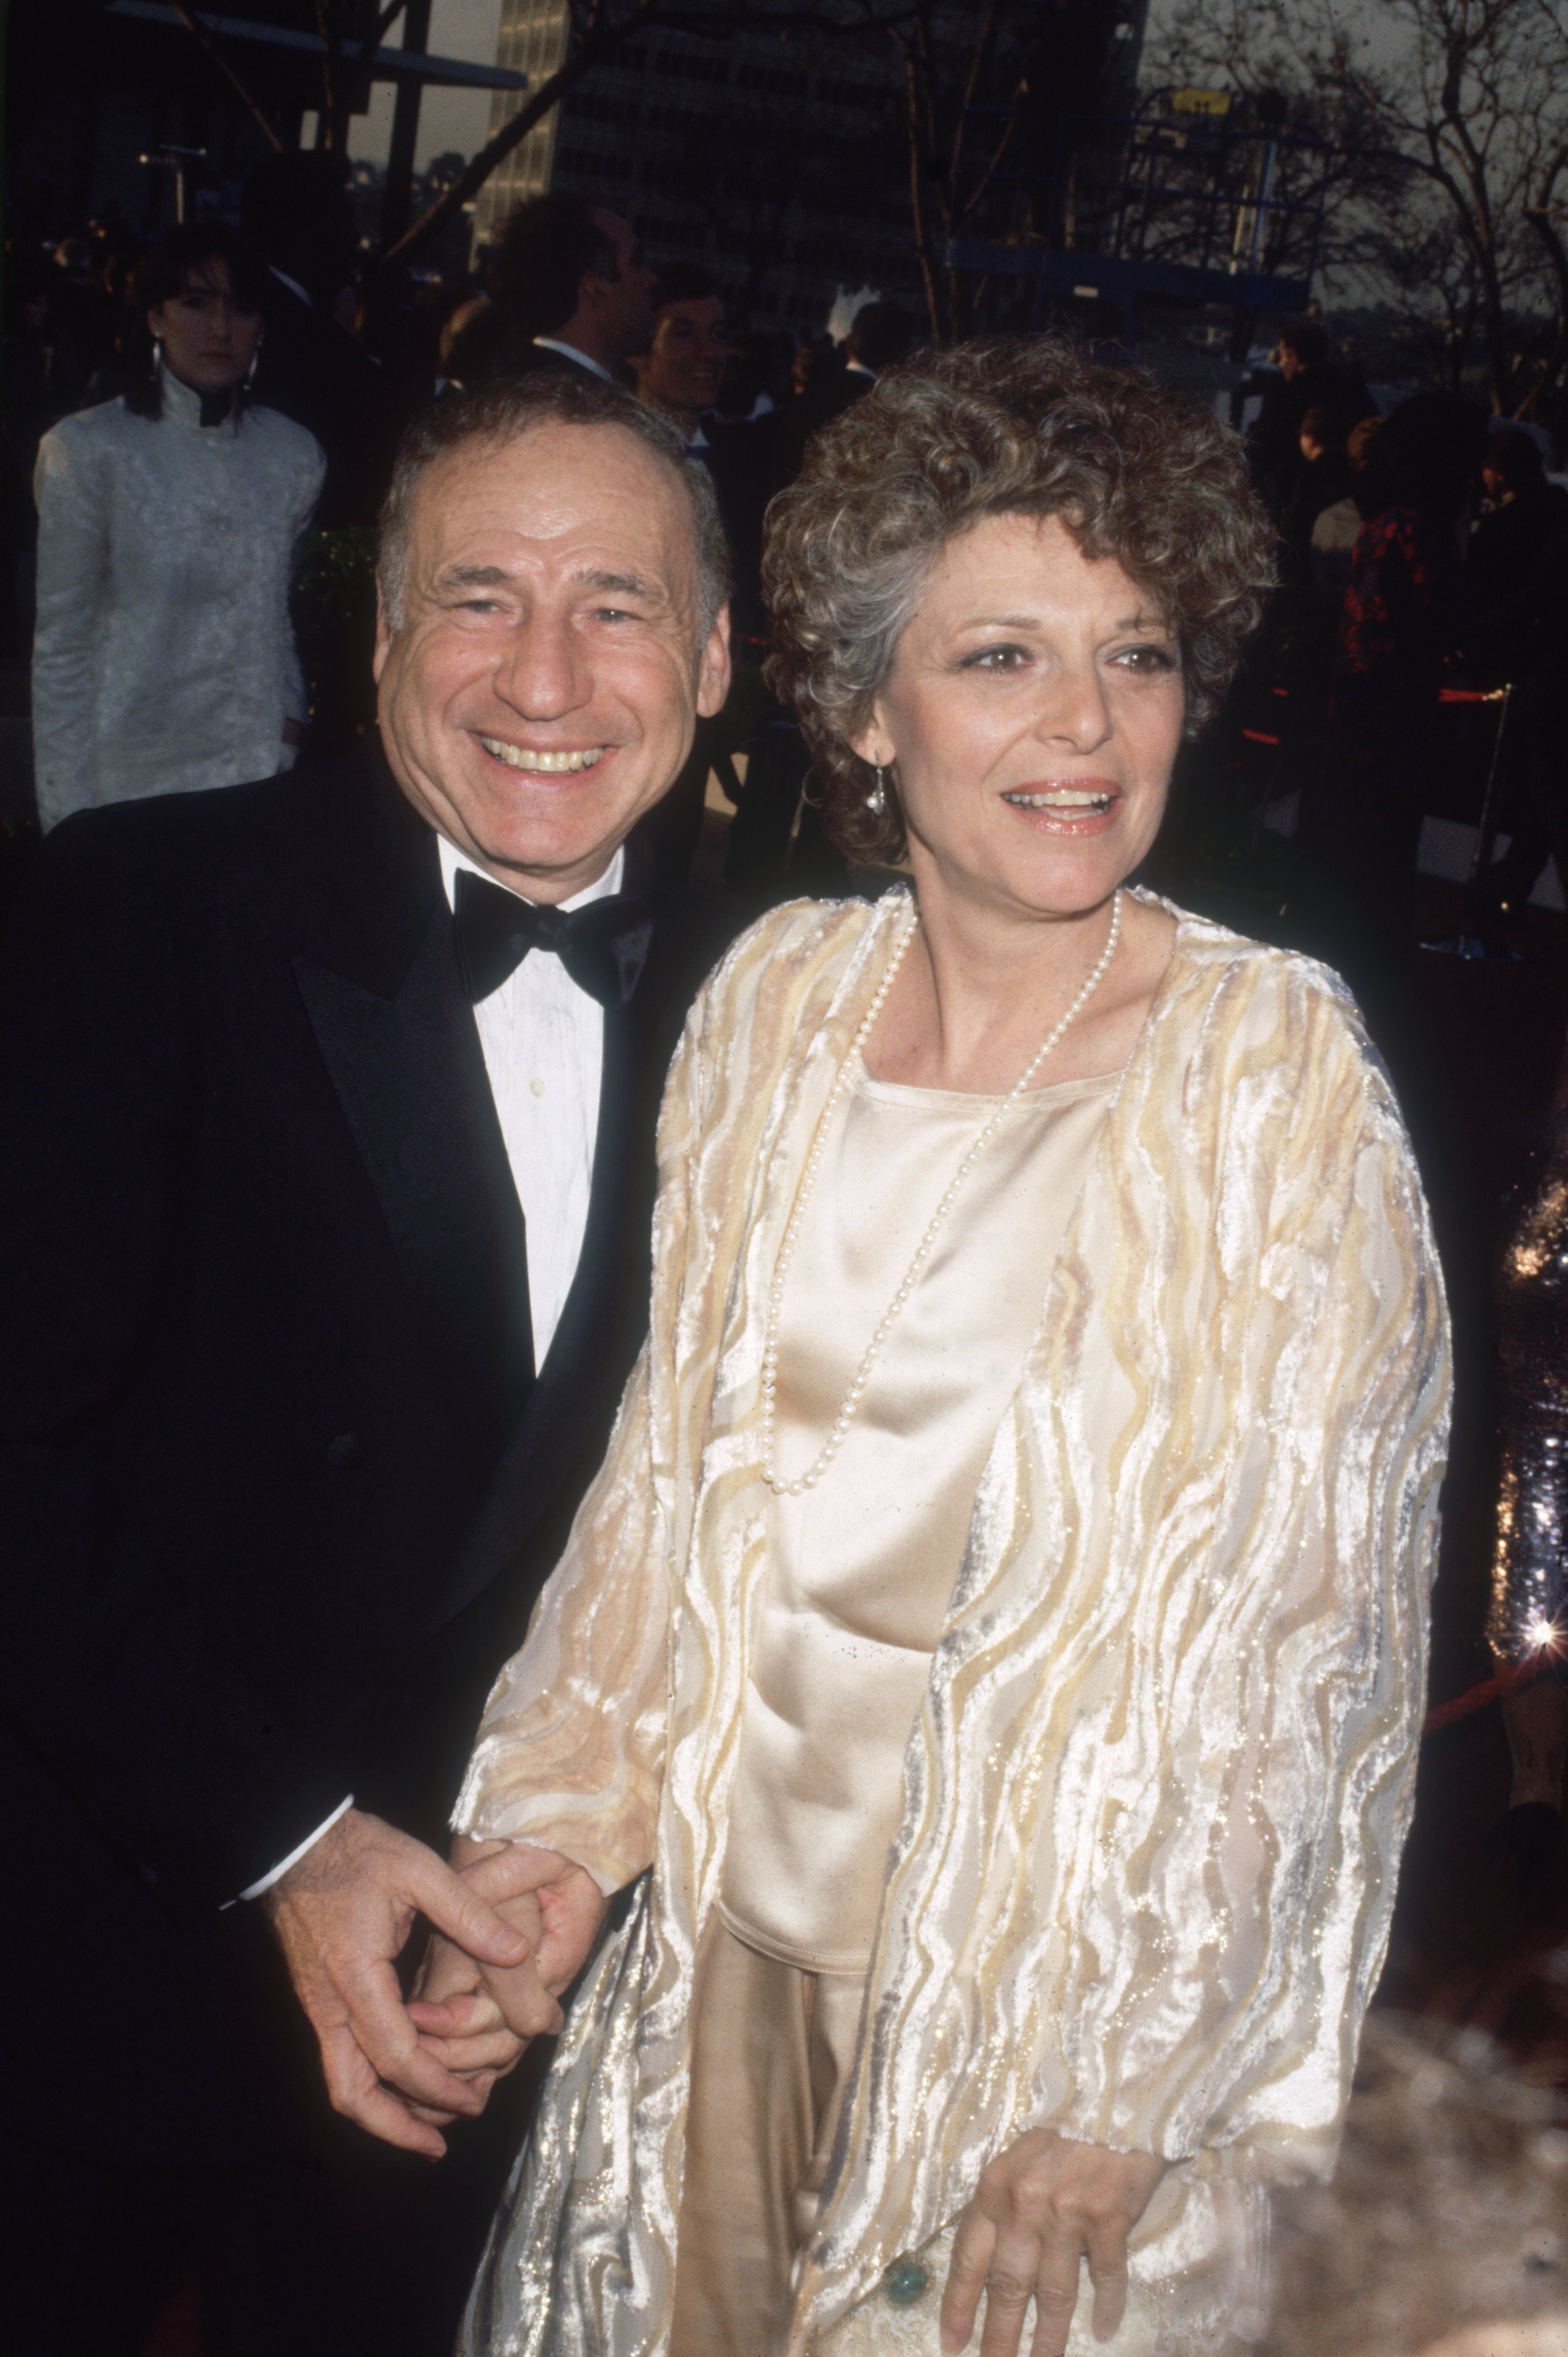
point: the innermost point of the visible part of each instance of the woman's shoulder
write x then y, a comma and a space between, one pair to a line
801, 940
777, 979
86, 430
1219, 979
284, 435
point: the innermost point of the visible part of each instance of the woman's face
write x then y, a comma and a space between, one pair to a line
210, 336
1033, 715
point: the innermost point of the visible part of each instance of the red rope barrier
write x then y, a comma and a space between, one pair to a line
1507, 1682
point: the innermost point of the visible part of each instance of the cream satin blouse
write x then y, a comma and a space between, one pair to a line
861, 1568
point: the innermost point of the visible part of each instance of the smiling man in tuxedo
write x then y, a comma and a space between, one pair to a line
327, 1107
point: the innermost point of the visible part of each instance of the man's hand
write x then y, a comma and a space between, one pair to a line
465, 2011
1042, 2206
342, 1916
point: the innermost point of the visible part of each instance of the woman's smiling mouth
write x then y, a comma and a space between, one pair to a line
1076, 809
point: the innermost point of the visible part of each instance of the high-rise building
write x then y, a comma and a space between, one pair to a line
779, 165
781, 162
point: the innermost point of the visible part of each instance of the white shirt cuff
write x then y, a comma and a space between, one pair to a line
294, 1856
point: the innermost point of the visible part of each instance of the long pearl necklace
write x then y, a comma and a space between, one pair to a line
923, 1250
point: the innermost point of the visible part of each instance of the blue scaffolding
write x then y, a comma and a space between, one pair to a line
1198, 199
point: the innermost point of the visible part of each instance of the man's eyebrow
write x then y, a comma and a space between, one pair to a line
625, 584
475, 576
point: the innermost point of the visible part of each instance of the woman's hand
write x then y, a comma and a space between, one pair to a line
1043, 2205
476, 2023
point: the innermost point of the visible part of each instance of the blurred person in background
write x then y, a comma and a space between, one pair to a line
573, 284
1397, 629
743, 397
473, 345
164, 659
295, 212
679, 375
740, 430
1337, 527
680, 371
1322, 477
820, 386
1308, 378
1516, 633
882, 334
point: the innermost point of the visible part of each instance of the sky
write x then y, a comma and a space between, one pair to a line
447, 118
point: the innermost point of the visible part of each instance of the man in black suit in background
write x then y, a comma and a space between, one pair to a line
326, 1169
571, 283
295, 211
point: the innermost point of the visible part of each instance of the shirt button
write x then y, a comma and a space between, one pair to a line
537, 1087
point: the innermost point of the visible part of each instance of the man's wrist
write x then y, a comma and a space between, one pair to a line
259, 1890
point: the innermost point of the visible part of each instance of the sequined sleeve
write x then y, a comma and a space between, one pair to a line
1529, 1557
1285, 1717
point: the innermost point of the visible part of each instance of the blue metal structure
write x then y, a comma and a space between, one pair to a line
1198, 199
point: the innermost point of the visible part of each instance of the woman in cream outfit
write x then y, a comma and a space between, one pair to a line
164, 658
991, 1657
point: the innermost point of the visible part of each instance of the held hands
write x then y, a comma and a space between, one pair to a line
474, 2016
342, 1916
1043, 2205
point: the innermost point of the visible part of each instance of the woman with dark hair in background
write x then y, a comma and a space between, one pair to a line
164, 659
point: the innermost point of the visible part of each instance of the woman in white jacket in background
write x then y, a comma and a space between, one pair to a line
164, 659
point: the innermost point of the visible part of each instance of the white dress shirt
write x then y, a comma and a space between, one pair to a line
554, 344
544, 1043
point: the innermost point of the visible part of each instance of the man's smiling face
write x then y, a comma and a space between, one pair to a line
541, 678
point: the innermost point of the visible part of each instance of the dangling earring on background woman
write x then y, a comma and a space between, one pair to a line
876, 800
158, 360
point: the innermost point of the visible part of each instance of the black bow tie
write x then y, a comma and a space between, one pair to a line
603, 947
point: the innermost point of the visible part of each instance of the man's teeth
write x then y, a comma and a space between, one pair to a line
1062, 799
550, 765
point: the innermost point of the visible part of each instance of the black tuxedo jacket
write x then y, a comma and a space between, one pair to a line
277, 1490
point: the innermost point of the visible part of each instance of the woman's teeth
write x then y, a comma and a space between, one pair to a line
1062, 799
550, 765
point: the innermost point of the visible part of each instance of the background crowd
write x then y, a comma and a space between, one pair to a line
1422, 545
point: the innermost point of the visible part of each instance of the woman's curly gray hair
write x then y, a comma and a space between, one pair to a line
1006, 426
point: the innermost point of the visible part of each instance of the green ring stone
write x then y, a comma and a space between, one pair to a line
904, 2282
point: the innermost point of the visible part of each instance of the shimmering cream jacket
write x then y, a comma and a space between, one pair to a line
1155, 1796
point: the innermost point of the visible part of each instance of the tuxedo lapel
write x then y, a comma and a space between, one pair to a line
409, 1074
602, 1313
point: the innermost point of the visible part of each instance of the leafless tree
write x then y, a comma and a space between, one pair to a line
983, 89
1451, 121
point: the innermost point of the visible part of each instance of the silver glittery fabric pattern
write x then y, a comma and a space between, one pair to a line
164, 659
1155, 1796
1530, 1551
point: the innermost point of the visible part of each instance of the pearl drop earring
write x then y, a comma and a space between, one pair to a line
876, 800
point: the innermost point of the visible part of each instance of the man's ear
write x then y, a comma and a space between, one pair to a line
714, 671
384, 633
